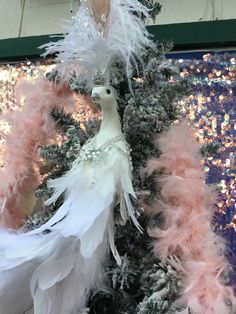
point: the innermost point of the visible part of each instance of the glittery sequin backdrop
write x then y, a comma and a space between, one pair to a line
211, 108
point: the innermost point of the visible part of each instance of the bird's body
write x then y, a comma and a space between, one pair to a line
56, 266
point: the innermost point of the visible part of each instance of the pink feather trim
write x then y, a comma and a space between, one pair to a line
30, 128
187, 205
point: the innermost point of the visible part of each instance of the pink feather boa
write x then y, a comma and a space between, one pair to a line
30, 128
187, 204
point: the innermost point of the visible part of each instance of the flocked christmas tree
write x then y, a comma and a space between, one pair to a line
67, 242
143, 284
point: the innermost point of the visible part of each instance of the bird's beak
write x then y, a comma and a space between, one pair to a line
96, 97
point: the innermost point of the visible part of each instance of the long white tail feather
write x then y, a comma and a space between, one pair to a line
131, 212
91, 239
123, 209
112, 242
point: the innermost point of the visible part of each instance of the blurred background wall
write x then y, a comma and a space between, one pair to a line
21, 18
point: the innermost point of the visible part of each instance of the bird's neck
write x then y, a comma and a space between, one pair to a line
110, 125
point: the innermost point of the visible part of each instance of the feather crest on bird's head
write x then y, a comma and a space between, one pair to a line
102, 33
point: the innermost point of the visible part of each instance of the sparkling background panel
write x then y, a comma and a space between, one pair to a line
211, 108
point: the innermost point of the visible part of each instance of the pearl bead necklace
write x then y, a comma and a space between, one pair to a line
93, 154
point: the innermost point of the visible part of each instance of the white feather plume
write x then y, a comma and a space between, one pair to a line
87, 49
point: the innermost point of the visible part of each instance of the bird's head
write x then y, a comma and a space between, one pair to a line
104, 96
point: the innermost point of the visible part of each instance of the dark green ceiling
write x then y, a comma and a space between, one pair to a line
198, 35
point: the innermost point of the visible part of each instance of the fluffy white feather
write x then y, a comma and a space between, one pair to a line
86, 49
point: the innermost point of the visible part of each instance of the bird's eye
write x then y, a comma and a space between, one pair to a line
108, 91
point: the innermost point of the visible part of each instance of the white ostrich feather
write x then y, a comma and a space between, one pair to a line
89, 47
